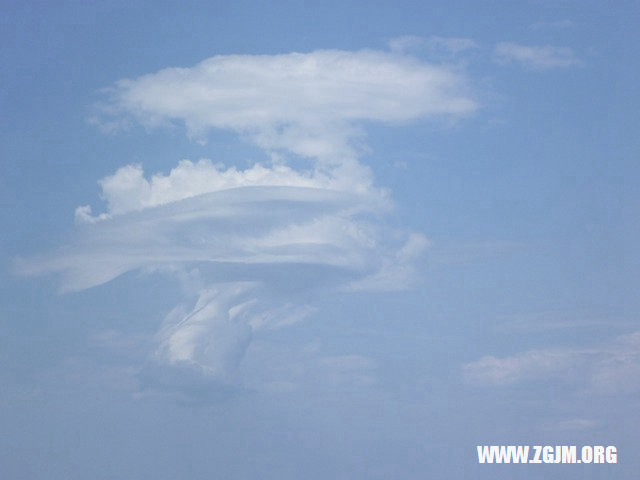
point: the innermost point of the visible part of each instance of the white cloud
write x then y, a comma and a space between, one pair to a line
259, 225
536, 57
449, 45
610, 367
453, 45
617, 368
396, 271
245, 242
572, 424
128, 190
556, 320
214, 335
310, 104
534, 364
253, 236
406, 43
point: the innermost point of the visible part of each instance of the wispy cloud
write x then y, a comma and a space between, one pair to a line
530, 365
536, 57
610, 367
448, 45
543, 321
558, 24
571, 424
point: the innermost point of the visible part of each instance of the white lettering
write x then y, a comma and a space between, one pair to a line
598, 454
547, 454
537, 451
611, 454
568, 454
587, 454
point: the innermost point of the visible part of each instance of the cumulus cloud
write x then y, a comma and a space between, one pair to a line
128, 190
246, 242
613, 366
536, 57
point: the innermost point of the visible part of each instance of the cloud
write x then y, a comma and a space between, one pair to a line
536, 57
453, 45
128, 190
250, 246
556, 25
396, 271
572, 424
611, 367
243, 231
406, 43
531, 365
556, 320
448, 45
310, 104
245, 243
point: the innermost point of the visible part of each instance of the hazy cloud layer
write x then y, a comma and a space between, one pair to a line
611, 367
536, 57
450, 45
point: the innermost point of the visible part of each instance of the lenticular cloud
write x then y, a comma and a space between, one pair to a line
309, 104
255, 237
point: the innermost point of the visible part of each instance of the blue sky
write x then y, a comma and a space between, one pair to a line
317, 241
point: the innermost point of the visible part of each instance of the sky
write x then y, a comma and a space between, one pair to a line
325, 240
